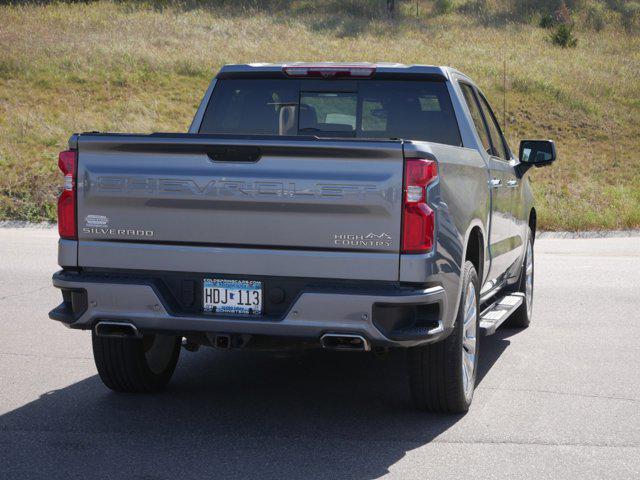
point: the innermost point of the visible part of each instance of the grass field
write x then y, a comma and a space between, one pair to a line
142, 67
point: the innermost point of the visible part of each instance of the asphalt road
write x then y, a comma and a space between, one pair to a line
558, 400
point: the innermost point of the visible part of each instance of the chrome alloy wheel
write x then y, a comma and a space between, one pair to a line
528, 292
469, 341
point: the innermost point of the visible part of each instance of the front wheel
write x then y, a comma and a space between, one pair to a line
136, 365
443, 375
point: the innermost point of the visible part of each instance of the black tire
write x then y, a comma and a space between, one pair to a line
135, 365
436, 371
521, 318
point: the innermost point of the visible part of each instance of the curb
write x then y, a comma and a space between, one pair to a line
590, 234
24, 224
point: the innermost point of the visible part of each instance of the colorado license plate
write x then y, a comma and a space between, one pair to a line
232, 296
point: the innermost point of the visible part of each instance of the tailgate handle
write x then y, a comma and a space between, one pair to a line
234, 154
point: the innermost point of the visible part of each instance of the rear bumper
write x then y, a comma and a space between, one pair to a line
386, 316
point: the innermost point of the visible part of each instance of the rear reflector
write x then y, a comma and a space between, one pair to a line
323, 71
418, 220
67, 162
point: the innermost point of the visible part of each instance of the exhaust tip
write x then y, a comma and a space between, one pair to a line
340, 341
117, 329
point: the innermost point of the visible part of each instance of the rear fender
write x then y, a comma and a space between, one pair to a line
461, 201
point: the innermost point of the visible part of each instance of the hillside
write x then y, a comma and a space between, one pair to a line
142, 67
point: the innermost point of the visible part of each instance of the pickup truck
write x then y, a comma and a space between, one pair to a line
355, 207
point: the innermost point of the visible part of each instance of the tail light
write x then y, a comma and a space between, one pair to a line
418, 220
68, 162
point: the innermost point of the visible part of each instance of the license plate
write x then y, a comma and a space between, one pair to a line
232, 296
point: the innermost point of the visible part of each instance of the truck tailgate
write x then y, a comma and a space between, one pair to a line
256, 206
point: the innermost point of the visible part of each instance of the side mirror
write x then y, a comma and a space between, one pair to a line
537, 153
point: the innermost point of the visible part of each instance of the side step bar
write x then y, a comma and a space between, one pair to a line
498, 312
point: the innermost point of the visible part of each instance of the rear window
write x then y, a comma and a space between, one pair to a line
416, 110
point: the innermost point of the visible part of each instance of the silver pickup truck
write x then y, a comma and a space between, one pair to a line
351, 207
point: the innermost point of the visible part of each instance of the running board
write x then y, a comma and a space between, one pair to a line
498, 312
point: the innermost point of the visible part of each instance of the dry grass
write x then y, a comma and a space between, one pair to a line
131, 67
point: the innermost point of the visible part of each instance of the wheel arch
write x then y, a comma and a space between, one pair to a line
475, 248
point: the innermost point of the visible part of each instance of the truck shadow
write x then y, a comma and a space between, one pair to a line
232, 415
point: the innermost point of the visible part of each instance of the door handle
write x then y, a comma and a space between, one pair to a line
495, 182
512, 183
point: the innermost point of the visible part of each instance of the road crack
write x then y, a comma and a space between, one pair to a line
569, 394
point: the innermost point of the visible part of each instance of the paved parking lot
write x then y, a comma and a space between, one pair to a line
558, 400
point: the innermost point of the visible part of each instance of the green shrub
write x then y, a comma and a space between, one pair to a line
595, 16
630, 16
523, 7
444, 6
474, 7
546, 21
615, 4
563, 36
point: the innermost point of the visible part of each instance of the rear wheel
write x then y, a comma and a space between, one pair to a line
443, 375
521, 318
136, 365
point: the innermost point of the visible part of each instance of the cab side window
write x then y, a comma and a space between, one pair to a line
499, 145
476, 116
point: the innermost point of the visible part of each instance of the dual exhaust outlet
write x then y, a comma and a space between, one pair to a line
329, 341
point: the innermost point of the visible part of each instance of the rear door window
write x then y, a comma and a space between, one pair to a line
476, 116
413, 110
499, 149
